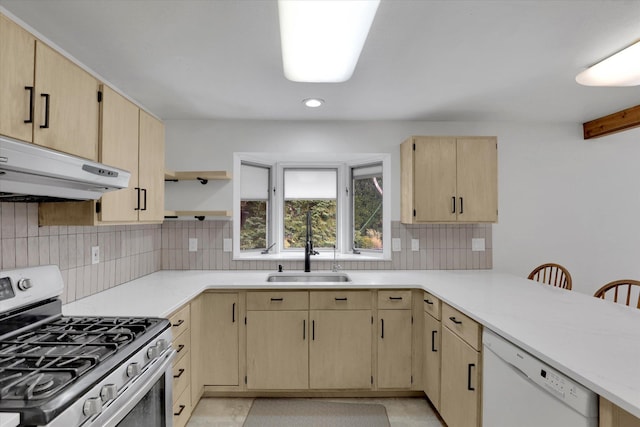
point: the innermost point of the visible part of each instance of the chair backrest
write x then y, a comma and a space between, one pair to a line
552, 274
621, 291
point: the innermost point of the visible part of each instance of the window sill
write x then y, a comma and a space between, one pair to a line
328, 256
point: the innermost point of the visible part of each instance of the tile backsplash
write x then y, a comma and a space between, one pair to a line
131, 251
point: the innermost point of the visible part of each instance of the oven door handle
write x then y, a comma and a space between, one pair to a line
125, 402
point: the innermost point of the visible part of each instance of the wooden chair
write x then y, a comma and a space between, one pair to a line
552, 274
622, 291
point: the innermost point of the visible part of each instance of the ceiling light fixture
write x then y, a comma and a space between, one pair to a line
322, 40
620, 69
313, 102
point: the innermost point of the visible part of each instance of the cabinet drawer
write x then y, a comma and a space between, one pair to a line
278, 300
180, 321
463, 326
340, 300
182, 409
181, 374
394, 300
181, 345
431, 305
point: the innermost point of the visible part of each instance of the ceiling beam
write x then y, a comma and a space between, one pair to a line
616, 122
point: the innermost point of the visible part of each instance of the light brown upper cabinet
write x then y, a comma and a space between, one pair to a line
130, 139
449, 179
16, 80
46, 99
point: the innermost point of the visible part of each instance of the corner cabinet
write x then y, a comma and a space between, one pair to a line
449, 179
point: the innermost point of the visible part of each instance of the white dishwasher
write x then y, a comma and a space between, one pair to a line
519, 390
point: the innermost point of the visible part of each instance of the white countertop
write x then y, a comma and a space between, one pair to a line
595, 342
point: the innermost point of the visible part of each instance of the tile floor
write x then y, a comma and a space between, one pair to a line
231, 412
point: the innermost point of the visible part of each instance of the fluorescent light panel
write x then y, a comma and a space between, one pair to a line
621, 69
322, 39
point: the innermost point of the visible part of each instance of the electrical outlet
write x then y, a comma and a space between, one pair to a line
396, 244
193, 245
95, 254
415, 245
226, 245
477, 245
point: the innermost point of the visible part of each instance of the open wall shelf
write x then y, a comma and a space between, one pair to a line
200, 215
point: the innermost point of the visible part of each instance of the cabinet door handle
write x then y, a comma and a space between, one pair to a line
313, 330
382, 328
469, 367
178, 323
30, 89
395, 298
144, 190
138, 205
46, 111
453, 204
341, 299
304, 329
433, 341
461, 206
428, 301
177, 414
233, 313
180, 372
277, 299
456, 321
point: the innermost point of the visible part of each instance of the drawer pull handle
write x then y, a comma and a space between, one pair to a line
178, 323
180, 372
277, 299
395, 298
177, 414
469, 386
428, 301
433, 341
456, 321
341, 299
180, 348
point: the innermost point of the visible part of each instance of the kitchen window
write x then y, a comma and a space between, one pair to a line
349, 209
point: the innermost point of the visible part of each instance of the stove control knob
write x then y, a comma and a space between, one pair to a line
92, 406
153, 352
133, 370
24, 284
108, 392
162, 344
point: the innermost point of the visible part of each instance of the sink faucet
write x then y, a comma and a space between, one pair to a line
308, 247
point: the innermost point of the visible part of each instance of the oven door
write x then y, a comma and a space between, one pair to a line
146, 403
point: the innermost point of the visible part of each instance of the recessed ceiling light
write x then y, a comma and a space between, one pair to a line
313, 102
322, 40
620, 69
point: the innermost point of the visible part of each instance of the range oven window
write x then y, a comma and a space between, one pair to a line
151, 410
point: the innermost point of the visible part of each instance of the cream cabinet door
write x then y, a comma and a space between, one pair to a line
614, 416
340, 349
17, 49
432, 351
119, 148
277, 350
219, 339
66, 110
460, 386
151, 169
434, 180
394, 349
477, 184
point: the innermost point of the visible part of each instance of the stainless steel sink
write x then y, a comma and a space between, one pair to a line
327, 276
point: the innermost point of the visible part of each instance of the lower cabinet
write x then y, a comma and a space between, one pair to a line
432, 349
277, 341
181, 330
614, 416
460, 384
219, 339
394, 340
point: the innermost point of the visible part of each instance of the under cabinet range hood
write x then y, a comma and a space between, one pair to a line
31, 173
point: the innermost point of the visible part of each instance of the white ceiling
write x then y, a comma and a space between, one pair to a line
509, 60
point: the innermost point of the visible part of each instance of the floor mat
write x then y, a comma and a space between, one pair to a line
312, 413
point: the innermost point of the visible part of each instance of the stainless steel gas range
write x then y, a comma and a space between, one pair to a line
60, 371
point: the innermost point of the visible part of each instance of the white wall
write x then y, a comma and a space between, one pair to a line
561, 199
